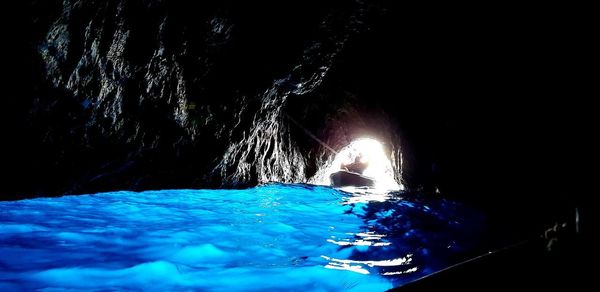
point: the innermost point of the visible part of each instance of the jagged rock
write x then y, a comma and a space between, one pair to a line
132, 94
163, 97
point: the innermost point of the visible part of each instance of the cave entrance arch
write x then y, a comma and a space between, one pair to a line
379, 165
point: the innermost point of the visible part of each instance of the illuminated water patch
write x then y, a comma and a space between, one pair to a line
272, 237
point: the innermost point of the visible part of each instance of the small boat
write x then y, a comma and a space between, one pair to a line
345, 178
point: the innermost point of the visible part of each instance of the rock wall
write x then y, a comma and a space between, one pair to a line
153, 94
133, 94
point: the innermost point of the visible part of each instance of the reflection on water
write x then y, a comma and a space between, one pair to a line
406, 239
270, 237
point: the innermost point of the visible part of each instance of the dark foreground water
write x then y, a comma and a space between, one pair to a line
273, 237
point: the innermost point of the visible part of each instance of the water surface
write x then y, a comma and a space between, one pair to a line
272, 237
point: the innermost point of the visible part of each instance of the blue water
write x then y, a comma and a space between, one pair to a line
272, 237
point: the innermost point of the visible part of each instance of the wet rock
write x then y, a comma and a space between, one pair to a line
126, 94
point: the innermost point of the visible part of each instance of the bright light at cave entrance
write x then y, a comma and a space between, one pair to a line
379, 166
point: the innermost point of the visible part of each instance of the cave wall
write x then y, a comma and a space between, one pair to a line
132, 94
155, 94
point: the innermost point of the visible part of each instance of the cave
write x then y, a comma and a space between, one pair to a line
186, 118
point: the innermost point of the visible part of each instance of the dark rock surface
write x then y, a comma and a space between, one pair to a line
132, 94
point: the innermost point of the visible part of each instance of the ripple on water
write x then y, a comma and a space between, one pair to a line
271, 237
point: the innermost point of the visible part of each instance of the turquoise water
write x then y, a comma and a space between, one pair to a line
272, 237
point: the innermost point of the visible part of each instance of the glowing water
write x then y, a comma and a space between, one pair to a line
271, 237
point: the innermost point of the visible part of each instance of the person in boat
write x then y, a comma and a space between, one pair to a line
358, 166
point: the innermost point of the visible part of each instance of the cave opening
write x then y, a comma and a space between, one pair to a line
369, 151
